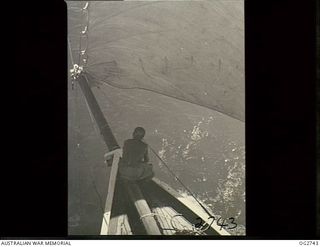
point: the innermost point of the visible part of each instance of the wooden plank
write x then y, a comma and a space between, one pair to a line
168, 217
172, 220
192, 205
163, 221
119, 225
111, 188
113, 225
179, 222
143, 208
123, 227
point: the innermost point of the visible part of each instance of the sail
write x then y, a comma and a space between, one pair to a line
189, 50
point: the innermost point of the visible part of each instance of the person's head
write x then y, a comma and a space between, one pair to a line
138, 133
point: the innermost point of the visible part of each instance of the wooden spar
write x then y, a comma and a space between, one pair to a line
101, 121
111, 143
146, 216
134, 191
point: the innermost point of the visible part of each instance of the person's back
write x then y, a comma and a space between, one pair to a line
134, 152
134, 162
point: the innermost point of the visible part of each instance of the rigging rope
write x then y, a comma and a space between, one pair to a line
179, 180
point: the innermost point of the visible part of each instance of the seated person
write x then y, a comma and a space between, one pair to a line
134, 162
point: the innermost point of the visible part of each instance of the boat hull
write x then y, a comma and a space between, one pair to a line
174, 214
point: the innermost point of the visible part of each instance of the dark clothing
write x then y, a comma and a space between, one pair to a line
134, 162
134, 152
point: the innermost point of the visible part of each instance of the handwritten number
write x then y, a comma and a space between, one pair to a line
232, 222
223, 223
207, 224
213, 219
